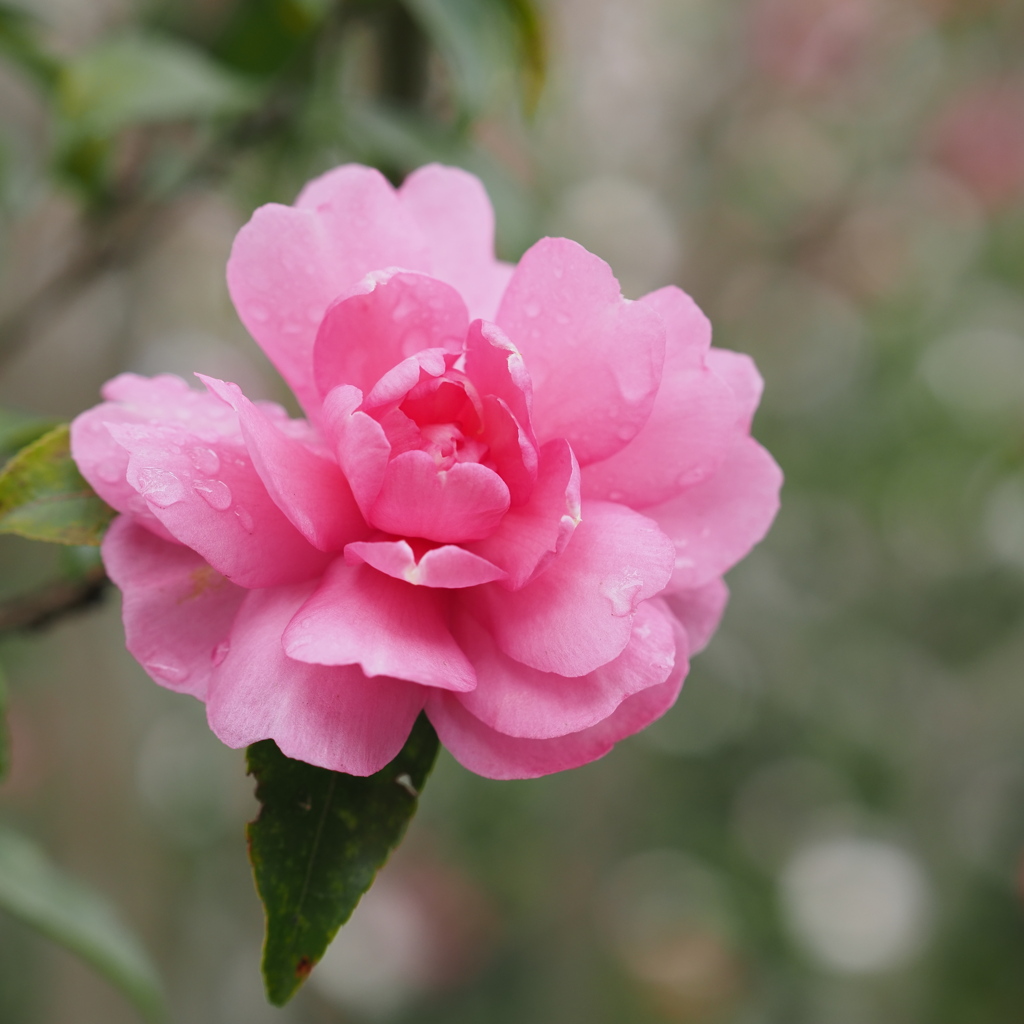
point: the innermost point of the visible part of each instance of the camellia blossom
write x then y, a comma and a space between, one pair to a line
510, 503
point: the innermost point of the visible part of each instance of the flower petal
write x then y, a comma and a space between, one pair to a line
209, 496
358, 616
496, 756
595, 359
177, 610
365, 334
331, 716
445, 567
715, 523
578, 614
359, 441
699, 611
738, 371
496, 367
288, 264
521, 701
309, 489
451, 208
530, 535
417, 499
164, 399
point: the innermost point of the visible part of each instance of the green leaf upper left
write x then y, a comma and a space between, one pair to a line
33, 890
44, 497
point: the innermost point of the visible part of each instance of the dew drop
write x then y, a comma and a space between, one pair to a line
622, 591
206, 460
245, 519
563, 318
220, 652
532, 309
259, 313
169, 671
626, 433
160, 486
110, 472
291, 327
615, 495
215, 493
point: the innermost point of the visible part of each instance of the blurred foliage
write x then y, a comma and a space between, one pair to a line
840, 184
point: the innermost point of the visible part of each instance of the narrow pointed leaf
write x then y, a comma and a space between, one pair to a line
317, 844
33, 890
44, 497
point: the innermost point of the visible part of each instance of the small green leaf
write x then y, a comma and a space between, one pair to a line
317, 844
145, 78
18, 429
44, 497
37, 893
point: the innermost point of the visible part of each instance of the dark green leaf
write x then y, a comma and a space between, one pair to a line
317, 844
145, 78
44, 497
37, 893
18, 430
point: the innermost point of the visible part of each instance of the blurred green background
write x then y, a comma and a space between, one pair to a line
828, 827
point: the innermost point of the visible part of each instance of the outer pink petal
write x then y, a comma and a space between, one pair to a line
358, 616
209, 496
288, 264
714, 524
520, 701
740, 373
699, 610
687, 329
446, 567
309, 489
452, 210
496, 756
693, 425
329, 716
417, 499
164, 399
364, 335
177, 610
359, 440
578, 614
530, 535
595, 359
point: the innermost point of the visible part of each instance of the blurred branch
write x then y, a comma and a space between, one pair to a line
43, 607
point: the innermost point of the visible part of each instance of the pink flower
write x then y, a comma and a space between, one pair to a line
511, 503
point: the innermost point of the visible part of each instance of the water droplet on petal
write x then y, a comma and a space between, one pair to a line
626, 433
110, 472
215, 493
259, 313
532, 309
623, 591
245, 519
160, 486
615, 495
167, 670
206, 460
563, 318
220, 652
